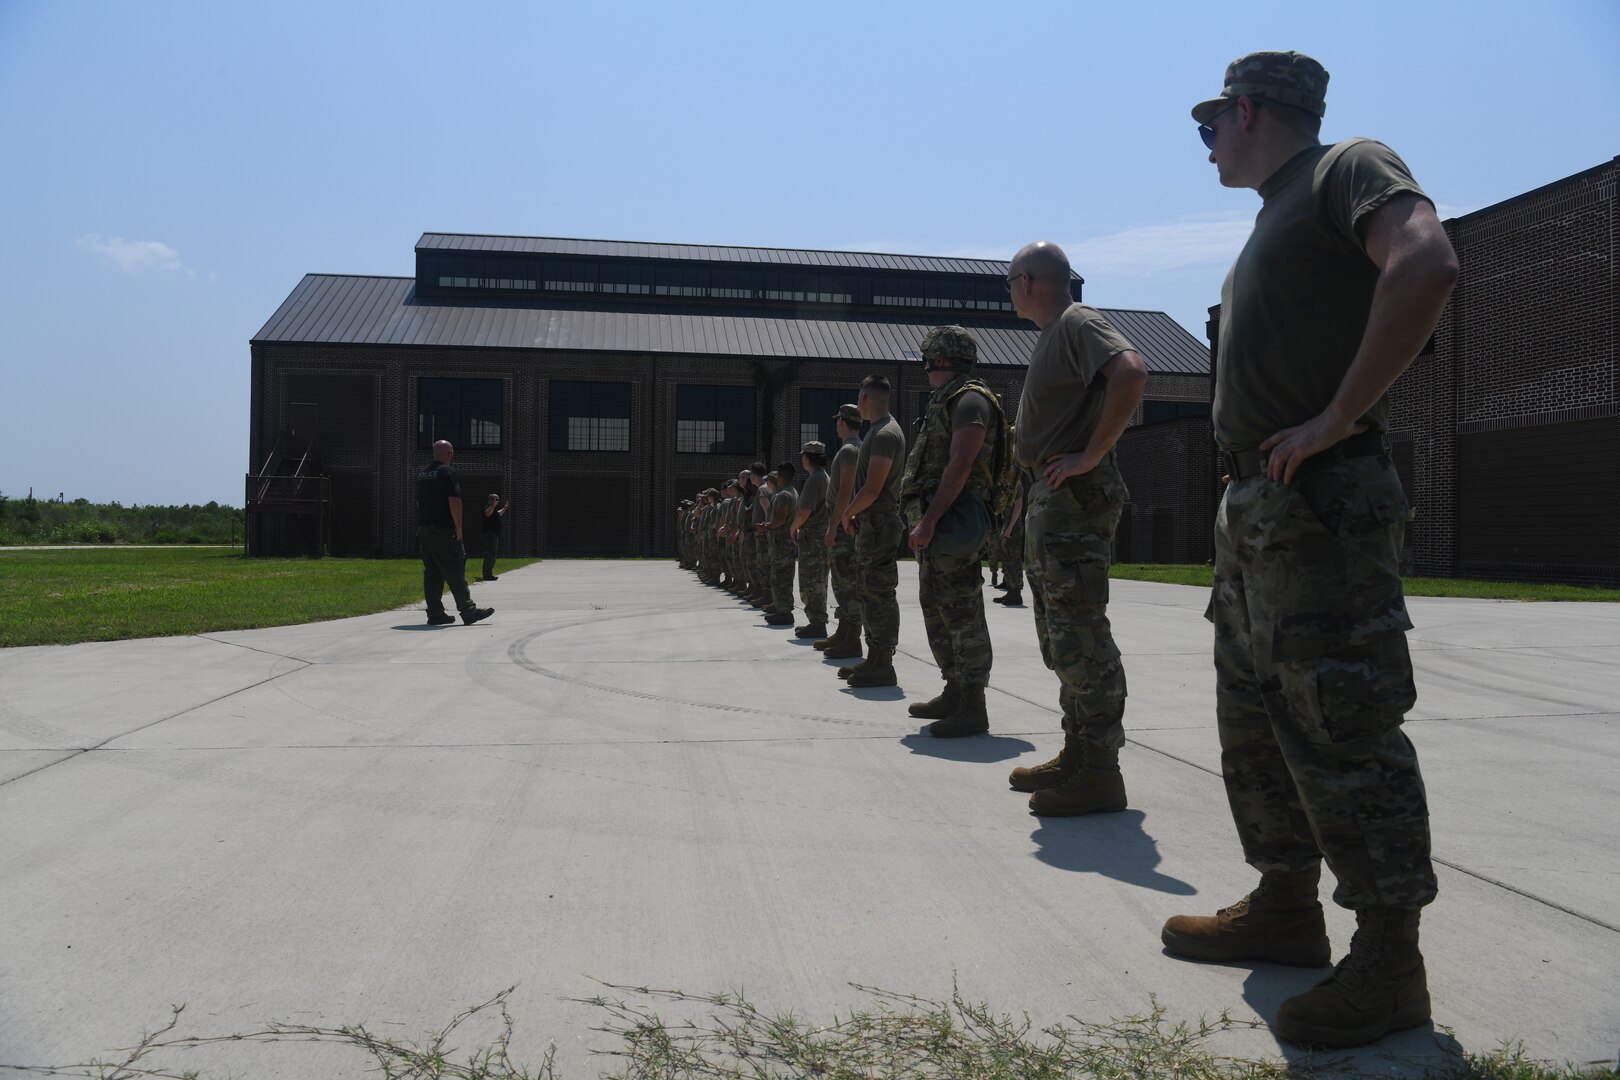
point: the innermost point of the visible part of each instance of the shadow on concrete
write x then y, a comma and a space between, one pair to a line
977, 749
875, 693
1113, 845
1421, 1051
421, 626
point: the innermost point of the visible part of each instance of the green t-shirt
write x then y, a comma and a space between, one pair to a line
842, 469
813, 496
1295, 304
1063, 391
884, 439
782, 504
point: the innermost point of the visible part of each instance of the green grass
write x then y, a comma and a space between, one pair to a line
898, 1037
61, 597
1201, 574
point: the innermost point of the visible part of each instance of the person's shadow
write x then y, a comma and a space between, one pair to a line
1113, 845
875, 693
417, 626
1419, 1052
975, 749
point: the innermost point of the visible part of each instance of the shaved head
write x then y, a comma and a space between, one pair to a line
1043, 261
442, 450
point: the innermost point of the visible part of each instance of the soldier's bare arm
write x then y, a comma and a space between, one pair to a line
1417, 268
966, 442
1127, 378
877, 472
840, 507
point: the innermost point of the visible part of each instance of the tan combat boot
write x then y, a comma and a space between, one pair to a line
1280, 921
940, 707
967, 718
1094, 787
877, 671
850, 647
1378, 988
836, 638
1050, 773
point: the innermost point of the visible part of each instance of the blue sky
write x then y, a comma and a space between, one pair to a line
172, 169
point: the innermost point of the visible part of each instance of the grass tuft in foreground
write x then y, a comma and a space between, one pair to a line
108, 594
901, 1037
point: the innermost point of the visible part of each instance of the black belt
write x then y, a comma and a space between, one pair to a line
1250, 462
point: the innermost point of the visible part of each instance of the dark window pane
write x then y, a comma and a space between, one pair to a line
468, 412
714, 419
590, 416
817, 407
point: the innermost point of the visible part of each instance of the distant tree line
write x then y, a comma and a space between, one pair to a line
56, 521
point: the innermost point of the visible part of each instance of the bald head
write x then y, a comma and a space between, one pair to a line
443, 451
1043, 261
1038, 281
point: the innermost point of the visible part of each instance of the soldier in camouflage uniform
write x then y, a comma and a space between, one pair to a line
779, 531
810, 517
1065, 443
703, 533
1010, 531
846, 576
873, 517
955, 461
759, 555
1337, 288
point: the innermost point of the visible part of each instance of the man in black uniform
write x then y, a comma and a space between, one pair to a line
438, 535
494, 511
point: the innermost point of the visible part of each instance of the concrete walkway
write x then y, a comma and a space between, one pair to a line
625, 775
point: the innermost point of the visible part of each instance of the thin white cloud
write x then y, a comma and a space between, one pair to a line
1200, 241
1204, 240
133, 256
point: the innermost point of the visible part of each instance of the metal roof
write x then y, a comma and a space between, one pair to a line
355, 310
720, 253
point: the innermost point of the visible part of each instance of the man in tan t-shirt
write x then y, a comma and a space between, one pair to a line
1084, 383
1337, 288
873, 517
845, 641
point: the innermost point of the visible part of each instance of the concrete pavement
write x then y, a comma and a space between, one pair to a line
626, 775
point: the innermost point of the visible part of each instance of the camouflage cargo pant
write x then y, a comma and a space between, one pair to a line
813, 570
951, 592
759, 562
1313, 680
846, 578
1068, 540
877, 543
783, 558
1012, 561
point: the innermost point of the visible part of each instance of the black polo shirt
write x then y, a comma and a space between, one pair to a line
436, 484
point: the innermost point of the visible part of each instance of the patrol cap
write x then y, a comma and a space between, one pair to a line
814, 446
950, 343
849, 414
1288, 78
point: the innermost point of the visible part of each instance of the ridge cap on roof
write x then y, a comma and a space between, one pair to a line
726, 247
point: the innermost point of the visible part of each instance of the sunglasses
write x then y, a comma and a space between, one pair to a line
1008, 282
1207, 133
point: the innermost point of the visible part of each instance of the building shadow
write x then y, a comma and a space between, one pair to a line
976, 749
1113, 845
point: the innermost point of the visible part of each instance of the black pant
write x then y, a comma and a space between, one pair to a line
492, 547
443, 562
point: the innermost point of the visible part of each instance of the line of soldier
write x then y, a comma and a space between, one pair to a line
1342, 280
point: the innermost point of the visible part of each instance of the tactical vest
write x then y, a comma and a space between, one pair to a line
932, 452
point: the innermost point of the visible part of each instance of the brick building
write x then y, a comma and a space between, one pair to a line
1506, 430
600, 382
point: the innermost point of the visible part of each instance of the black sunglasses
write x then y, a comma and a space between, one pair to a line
1006, 283
1207, 133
